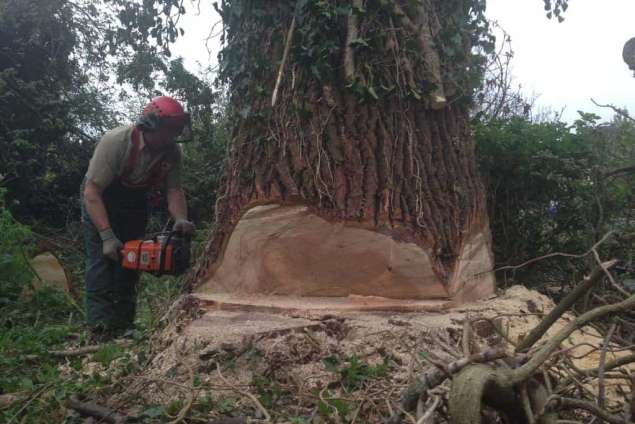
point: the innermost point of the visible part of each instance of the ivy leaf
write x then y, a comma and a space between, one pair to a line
372, 92
154, 411
316, 72
359, 43
344, 10
331, 363
299, 7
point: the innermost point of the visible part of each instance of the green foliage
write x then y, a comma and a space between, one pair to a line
330, 406
107, 354
547, 191
268, 391
204, 155
353, 372
556, 8
225, 406
33, 326
16, 245
50, 108
153, 412
154, 297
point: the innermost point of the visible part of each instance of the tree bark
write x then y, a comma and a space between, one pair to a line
362, 132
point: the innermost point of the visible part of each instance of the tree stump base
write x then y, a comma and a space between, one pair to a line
289, 251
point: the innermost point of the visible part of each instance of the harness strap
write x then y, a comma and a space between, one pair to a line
156, 175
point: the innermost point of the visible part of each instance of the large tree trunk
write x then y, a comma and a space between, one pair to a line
358, 133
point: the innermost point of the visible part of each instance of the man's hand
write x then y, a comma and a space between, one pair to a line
111, 246
184, 226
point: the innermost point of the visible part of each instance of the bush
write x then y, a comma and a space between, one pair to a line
548, 190
15, 248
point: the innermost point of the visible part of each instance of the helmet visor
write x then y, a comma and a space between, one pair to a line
181, 125
186, 131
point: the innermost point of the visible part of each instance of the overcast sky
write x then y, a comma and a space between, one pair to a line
564, 64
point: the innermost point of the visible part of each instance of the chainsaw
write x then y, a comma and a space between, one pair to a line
165, 253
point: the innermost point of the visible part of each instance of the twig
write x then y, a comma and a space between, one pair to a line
601, 388
84, 350
526, 403
551, 255
596, 255
618, 171
611, 365
285, 55
26, 404
190, 398
623, 113
467, 337
245, 393
427, 417
630, 413
564, 305
568, 403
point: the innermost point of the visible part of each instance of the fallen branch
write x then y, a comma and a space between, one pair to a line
245, 393
602, 366
92, 409
190, 398
564, 305
427, 417
31, 400
568, 403
616, 363
435, 376
524, 372
466, 340
86, 350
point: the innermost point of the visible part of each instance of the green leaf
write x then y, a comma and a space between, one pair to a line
331, 363
344, 10
153, 411
372, 92
359, 43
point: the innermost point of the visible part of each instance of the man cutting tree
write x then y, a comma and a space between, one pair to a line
129, 166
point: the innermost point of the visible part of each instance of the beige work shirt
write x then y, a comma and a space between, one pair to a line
111, 156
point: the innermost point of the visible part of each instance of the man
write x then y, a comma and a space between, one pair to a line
128, 165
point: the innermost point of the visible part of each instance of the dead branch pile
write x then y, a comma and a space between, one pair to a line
536, 383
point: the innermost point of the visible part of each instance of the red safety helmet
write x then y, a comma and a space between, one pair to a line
164, 112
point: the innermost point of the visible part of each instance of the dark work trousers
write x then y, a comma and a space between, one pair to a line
111, 294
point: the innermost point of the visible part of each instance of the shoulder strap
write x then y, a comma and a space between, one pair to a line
156, 174
134, 153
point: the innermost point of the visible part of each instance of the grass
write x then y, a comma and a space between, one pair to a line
31, 326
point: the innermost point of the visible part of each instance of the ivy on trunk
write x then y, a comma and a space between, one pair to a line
359, 110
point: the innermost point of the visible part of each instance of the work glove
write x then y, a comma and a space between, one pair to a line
184, 226
111, 246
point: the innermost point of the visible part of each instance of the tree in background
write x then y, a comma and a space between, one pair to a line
551, 188
51, 102
69, 71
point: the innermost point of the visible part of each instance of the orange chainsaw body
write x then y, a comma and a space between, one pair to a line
145, 255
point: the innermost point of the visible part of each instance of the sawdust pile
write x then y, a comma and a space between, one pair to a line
349, 367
